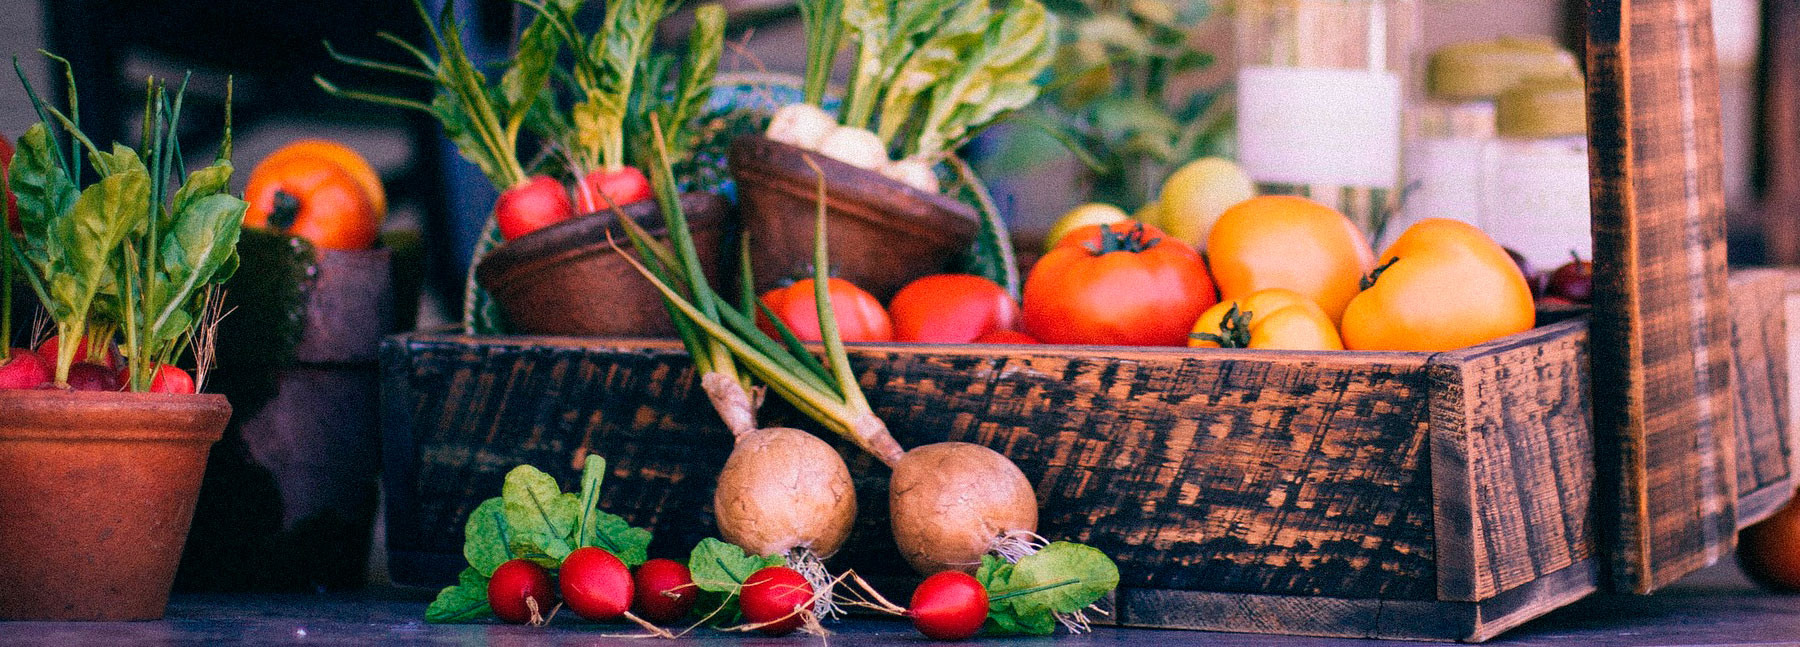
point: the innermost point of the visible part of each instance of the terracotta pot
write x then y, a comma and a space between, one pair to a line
566, 280
97, 496
882, 233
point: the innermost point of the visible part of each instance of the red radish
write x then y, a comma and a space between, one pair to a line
49, 349
950, 605
1006, 337
665, 590
595, 584
777, 596
620, 187
12, 201
26, 370
168, 379
537, 203
514, 583
93, 377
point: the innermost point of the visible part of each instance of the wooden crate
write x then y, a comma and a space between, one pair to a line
1409, 495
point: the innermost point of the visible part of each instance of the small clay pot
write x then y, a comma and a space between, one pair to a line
882, 233
566, 279
96, 498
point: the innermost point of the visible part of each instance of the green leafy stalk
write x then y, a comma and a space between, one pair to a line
606, 77
824, 24
706, 44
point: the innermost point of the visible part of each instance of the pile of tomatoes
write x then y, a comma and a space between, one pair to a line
1278, 272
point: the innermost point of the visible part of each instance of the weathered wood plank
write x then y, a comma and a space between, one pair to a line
1512, 462
1357, 618
1661, 330
1765, 447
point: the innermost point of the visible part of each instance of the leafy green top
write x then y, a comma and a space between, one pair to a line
1062, 579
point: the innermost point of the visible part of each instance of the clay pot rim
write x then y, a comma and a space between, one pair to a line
55, 414
584, 236
851, 190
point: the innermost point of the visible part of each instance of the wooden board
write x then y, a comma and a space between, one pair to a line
1766, 475
1661, 332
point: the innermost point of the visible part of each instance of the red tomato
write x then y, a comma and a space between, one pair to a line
1007, 337
1088, 237
538, 203
859, 315
621, 187
1130, 289
951, 309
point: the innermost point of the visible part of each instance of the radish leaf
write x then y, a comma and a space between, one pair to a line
541, 518
466, 601
722, 567
1062, 578
485, 537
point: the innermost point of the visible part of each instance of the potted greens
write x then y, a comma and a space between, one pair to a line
100, 485
927, 77
544, 263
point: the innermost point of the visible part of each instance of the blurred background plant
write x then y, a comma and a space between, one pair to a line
1124, 99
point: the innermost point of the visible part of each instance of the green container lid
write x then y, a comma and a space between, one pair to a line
1484, 69
1543, 107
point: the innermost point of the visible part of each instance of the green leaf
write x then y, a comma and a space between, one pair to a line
485, 537
211, 180
705, 45
45, 194
721, 567
201, 243
84, 245
540, 517
1064, 577
995, 77
608, 531
466, 601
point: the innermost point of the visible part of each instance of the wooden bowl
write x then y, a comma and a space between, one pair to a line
883, 234
566, 280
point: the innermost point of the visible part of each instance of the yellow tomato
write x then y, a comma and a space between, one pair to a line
1194, 197
1275, 318
1288, 242
1092, 213
1442, 285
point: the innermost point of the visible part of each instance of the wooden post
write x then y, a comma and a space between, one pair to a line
1661, 329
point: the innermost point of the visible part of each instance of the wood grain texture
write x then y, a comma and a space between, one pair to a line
1661, 329
1358, 618
1512, 460
1759, 372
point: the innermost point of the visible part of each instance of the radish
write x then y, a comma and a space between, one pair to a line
950, 605
854, 146
520, 592
529, 206
84, 376
595, 584
913, 172
85, 353
775, 599
665, 590
801, 124
26, 370
168, 379
620, 187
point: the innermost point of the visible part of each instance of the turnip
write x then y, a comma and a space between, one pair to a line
854, 146
913, 172
665, 590
953, 502
802, 125
520, 592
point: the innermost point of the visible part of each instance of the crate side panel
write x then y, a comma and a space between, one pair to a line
1512, 463
1760, 382
1265, 476
1661, 330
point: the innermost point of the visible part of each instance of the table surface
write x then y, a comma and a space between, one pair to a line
1715, 607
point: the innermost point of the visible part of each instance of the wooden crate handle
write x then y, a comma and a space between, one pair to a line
1661, 330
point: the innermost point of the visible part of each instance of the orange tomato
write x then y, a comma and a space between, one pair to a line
1769, 550
308, 190
1442, 285
341, 155
1276, 318
859, 315
1288, 242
